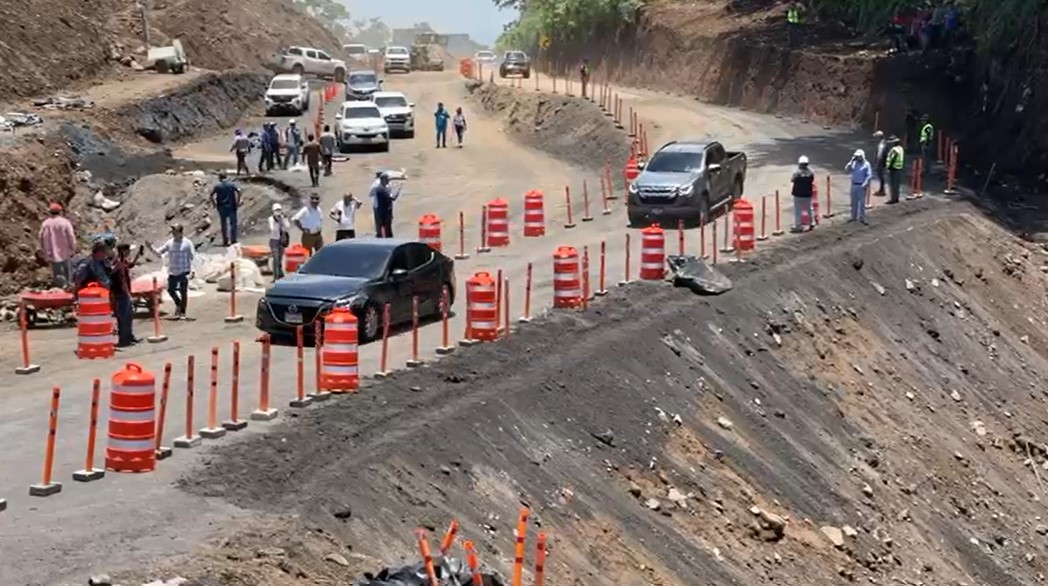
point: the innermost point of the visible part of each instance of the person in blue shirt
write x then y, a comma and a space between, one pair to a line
383, 198
861, 174
225, 197
441, 116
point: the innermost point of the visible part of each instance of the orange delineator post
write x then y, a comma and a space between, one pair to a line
626, 273
235, 423
605, 189
829, 201
427, 558
527, 298
445, 334
264, 411
89, 472
680, 237
702, 236
163, 452
47, 487
462, 238
713, 241
518, 558
23, 330
449, 538
764, 218
483, 231
414, 361
383, 369
567, 198
213, 430
540, 560
586, 217
603, 268
778, 216
728, 247
301, 399
320, 393
233, 316
474, 564
585, 268
157, 336
189, 440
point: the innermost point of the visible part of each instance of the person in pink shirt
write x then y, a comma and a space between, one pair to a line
58, 243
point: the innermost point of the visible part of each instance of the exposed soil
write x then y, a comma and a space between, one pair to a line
51, 45
570, 128
879, 385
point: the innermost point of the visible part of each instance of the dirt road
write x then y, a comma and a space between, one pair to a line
144, 509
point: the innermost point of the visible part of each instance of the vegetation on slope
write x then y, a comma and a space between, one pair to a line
564, 22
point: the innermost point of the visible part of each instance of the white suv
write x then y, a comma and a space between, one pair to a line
397, 59
398, 112
287, 93
361, 124
302, 60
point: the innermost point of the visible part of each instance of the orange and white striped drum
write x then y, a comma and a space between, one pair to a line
94, 323
498, 223
744, 227
482, 307
339, 366
567, 282
534, 214
652, 253
295, 256
131, 445
429, 231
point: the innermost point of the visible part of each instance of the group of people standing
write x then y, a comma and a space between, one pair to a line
280, 149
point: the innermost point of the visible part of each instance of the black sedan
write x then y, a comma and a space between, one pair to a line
363, 275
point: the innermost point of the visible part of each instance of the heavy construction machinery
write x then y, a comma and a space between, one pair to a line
427, 52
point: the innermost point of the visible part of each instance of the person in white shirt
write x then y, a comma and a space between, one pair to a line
344, 212
310, 220
279, 238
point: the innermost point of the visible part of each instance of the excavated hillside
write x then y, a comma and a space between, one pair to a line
865, 405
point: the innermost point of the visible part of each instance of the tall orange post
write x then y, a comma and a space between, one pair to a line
47, 486
518, 557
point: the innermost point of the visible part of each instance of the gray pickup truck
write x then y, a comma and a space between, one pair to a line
685, 180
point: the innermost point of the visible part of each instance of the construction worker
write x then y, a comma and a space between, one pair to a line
312, 153
293, 141
242, 147
180, 254
895, 163
226, 199
881, 161
310, 221
94, 269
861, 173
276, 160
803, 191
58, 245
120, 294
344, 212
441, 118
927, 143
279, 239
793, 23
327, 149
584, 75
383, 202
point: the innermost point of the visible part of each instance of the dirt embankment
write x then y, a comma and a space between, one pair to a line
570, 128
863, 406
50, 45
70, 162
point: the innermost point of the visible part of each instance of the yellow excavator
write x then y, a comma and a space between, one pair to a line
427, 52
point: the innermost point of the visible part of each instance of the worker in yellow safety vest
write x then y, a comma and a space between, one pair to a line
895, 164
927, 140
793, 23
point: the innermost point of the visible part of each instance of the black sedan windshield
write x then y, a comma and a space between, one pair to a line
355, 262
674, 162
363, 79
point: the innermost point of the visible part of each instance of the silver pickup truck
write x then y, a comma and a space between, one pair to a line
685, 180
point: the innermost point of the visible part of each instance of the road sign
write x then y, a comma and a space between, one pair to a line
544, 42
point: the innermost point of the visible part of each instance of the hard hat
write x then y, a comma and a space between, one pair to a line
278, 208
859, 153
878, 134
803, 160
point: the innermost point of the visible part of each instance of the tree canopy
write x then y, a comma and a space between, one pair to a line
564, 21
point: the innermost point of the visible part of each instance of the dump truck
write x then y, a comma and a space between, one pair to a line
427, 52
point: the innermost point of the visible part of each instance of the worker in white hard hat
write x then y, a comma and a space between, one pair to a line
803, 191
860, 171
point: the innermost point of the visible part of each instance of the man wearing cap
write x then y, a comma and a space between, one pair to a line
226, 199
803, 190
241, 146
859, 168
180, 252
310, 221
383, 202
279, 238
293, 140
895, 163
58, 244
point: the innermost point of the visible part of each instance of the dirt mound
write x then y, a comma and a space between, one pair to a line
50, 45
571, 128
865, 405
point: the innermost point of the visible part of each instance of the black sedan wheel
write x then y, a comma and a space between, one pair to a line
370, 324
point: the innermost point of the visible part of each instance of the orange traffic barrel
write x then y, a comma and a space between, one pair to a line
482, 314
632, 169
567, 281
534, 214
429, 231
339, 363
131, 444
94, 323
744, 227
652, 253
498, 223
295, 256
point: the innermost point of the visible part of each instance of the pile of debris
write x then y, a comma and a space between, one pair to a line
449, 572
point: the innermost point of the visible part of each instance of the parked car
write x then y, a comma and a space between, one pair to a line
288, 93
363, 275
686, 180
361, 124
302, 60
356, 53
515, 63
398, 112
362, 84
485, 57
396, 58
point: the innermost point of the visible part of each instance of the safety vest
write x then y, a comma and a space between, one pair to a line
926, 132
793, 16
895, 157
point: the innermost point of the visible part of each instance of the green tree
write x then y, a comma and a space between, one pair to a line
331, 14
566, 22
373, 32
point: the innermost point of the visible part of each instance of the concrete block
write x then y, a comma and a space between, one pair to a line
268, 415
415, 363
320, 397
445, 350
156, 339
234, 319
234, 425
89, 475
382, 375
45, 489
29, 369
212, 432
188, 442
164, 453
301, 403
